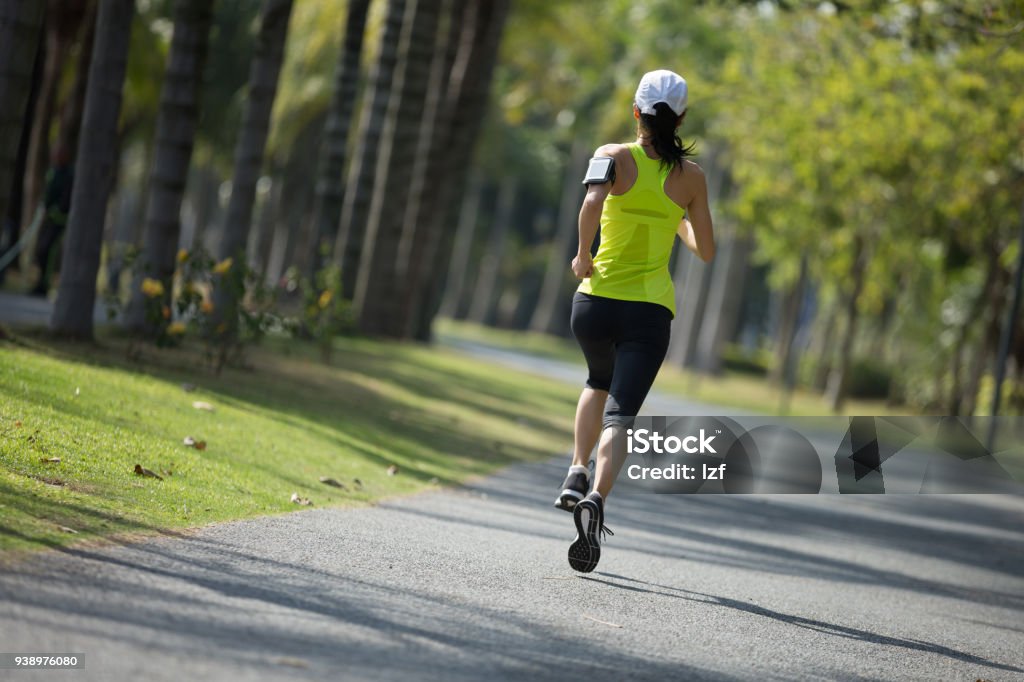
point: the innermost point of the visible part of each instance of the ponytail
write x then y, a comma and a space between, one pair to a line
662, 129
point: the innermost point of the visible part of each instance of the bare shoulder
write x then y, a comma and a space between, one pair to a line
692, 169
616, 151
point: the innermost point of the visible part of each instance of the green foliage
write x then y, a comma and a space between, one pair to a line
325, 314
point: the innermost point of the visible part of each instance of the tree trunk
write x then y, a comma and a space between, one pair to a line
73, 108
63, 20
330, 187
263, 77
566, 236
482, 308
377, 288
95, 170
455, 282
724, 302
432, 133
175, 137
469, 88
359, 187
837, 383
689, 310
956, 392
791, 303
20, 28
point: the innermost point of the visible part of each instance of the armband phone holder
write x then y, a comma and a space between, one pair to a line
600, 170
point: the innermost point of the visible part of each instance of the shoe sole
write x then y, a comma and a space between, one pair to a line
568, 499
585, 551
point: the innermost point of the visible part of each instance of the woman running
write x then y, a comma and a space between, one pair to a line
622, 312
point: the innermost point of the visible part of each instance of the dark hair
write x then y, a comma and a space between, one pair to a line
662, 128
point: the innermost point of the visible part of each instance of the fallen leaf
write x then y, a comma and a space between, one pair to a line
193, 443
304, 501
68, 530
332, 482
187, 387
50, 460
17, 423
202, 405
392, 470
142, 471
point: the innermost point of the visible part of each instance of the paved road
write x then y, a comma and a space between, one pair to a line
473, 584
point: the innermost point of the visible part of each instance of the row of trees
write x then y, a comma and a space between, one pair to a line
864, 160
867, 172
382, 215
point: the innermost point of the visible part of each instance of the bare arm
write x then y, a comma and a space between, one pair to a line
696, 229
589, 222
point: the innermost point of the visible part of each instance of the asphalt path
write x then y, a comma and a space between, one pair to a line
472, 583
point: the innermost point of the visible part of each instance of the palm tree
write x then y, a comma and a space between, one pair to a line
96, 168
329, 186
466, 100
348, 249
377, 286
175, 136
263, 77
64, 19
485, 290
21, 24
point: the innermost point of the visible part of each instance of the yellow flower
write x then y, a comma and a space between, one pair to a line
223, 266
176, 328
182, 255
325, 299
206, 307
152, 287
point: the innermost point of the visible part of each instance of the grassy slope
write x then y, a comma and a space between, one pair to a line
274, 431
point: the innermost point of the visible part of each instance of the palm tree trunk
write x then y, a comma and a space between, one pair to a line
482, 308
95, 170
467, 97
175, 136
359, 187
566, 235
455, 283
63, 20
378, 288
20, 28
330, 187
263, 77
73, 108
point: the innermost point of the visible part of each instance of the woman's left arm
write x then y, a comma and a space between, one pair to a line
696, 229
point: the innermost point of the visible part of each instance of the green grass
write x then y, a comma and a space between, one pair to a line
729, 389
439, 417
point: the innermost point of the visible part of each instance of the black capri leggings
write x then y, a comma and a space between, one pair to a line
624, 343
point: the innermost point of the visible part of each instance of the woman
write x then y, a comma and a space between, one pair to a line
623, 309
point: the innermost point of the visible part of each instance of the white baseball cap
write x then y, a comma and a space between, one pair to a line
661, 86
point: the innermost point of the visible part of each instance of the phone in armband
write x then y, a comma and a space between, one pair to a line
600, 170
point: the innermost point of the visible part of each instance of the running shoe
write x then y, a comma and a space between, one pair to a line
585, 551
574, 489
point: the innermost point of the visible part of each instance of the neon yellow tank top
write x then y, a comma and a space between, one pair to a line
638, 229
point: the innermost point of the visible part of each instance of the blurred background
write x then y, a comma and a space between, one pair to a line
407, 168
